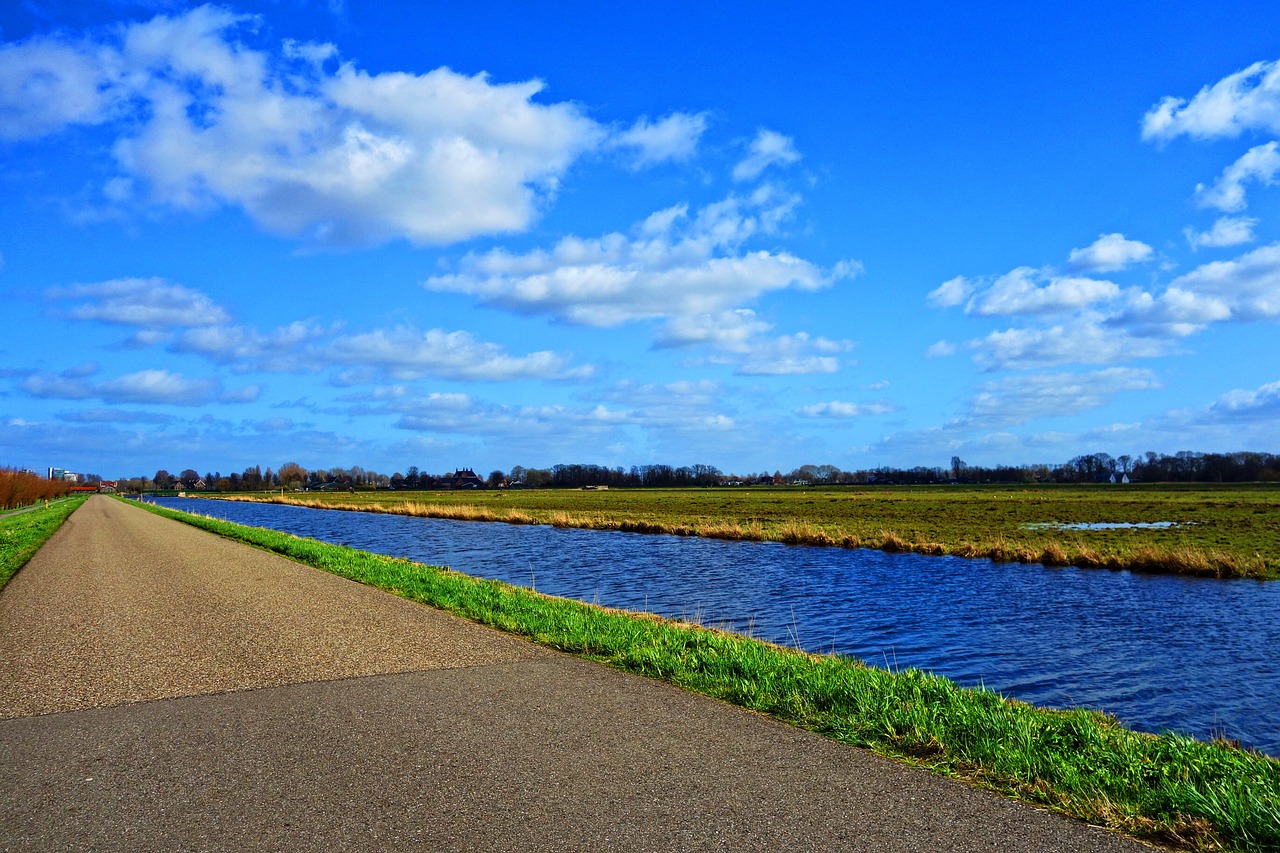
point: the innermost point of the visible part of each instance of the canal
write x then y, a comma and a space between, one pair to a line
1193, 655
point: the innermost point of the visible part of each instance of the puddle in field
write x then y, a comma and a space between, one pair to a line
1106, 525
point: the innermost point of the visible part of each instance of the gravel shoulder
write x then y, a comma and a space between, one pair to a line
166, 689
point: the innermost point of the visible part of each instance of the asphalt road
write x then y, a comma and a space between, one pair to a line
165, 689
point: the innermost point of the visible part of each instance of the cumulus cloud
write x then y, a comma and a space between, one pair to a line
673, 265
407, 353
941, 349
1246, 100
731, 331
1087, 321
1082, 341
842, 409
1022, 291
1259, 404
672, 138
308, 146
151, 303
1028, 291
1249, 285
793, 355
769, 148
1226, 231
1109, 253
285, 348
1018, 399
143, 386
1258, 165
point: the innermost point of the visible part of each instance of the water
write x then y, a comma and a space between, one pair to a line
1187, 654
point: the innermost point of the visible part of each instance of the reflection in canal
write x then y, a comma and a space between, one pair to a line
1194, 655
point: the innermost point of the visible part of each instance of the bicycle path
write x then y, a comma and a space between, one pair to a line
163, 688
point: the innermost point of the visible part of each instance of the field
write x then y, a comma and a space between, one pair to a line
1219, 531
1170, 789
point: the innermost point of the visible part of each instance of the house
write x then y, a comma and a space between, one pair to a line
463, 478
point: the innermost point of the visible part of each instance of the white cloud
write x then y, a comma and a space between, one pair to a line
730, 331
951, 293
1079, 342
672, 138
143, 386
282, 349
1018, 399
793, 355
841, 409
1226, 231
1109, 253
407, 353
1249, 285
1174, 313
1029, 291
673, 266
1262, 403
941, 349
47, 84
1260, 164
769, 148
335, 156
1245, 100
152, 303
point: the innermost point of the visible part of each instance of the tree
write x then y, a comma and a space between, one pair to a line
292, 476
957, 467
163, 479
496, 479
188, 478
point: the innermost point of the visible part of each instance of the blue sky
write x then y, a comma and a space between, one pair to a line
451, 234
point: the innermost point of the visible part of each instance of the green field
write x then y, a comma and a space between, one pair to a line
22, 534
1167, 788
1220, 531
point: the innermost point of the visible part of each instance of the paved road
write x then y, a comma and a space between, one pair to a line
161, 688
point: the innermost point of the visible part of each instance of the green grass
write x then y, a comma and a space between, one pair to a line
1223, 531
1170, 789
22, 534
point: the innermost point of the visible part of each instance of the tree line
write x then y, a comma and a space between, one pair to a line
23, 488
1184, 466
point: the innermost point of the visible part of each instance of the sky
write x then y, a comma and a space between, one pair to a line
454, 235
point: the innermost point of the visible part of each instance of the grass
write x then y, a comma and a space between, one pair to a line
1170, 789
1222, 531
22, 534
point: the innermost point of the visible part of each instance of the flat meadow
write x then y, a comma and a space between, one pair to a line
1206, 530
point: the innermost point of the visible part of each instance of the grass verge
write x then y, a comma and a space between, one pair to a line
22, 534
1181, 792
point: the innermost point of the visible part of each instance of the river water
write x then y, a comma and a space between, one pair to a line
1193, 655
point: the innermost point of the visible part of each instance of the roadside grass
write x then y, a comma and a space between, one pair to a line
1221, 531
21, 535
1167, 788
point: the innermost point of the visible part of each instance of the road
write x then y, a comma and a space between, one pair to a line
163, 688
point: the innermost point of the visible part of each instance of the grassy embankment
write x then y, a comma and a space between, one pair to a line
22, 534
1171, 789
1222, 531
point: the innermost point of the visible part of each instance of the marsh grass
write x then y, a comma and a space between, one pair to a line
1234, 531
1167, 788
21, 535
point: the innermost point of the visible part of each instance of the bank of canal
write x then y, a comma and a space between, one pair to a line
1159, 652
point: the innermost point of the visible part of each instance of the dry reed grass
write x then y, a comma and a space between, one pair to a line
1180, 560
